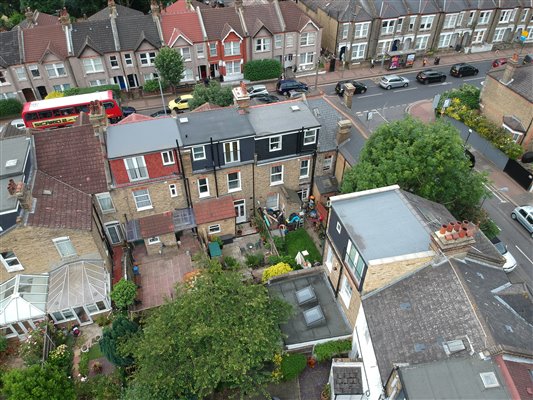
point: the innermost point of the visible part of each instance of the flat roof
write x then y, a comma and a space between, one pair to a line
285, 116
141, 137
13, 155
381, 223
296, 330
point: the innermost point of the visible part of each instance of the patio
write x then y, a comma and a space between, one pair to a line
243, 245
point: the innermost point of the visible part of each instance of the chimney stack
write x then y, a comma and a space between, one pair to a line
344, 128
21, 192
238, 3
349, 91
241, 97
112, 8
64, 17
510, 67
156, 10
97, 117
29, 15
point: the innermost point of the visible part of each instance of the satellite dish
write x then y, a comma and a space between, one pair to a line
527, 157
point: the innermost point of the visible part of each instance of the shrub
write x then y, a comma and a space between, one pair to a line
273, 259
254, 260
123, 293
230, 263
328, 350
275, 270
54, 95
3, 343
102, 319
258, 70
61, 358
280, 243
83, 366
293, 365
10, 107
152, 85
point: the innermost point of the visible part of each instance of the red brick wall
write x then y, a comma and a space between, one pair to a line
154, 165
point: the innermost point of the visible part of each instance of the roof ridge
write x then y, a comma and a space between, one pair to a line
63, 183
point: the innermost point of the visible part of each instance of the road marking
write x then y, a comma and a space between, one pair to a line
369, 95
473, 79
524, 254
497, 192
404, 90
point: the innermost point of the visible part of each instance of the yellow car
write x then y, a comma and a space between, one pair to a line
180, 103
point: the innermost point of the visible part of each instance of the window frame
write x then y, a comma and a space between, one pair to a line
32, 68
346, 291
484, 17
5, 261
307, 39
361, 50
137, 167
278, 41
93, 65
211, 231
345, 30
117, 225
55, 67
233, 70
113, 60
200, 50
170, 155
173, 189
146, 59
314, 133
185, 53
21, 74
271, 143
128, 60
361, 30
200, 185
238, 180
307, 168
387, 26
64, 239
153, 240
213, 46
106, 195
194, 158
327, 163
232, 48
262, 45
136, 194
426, 22
232, 152
280, 173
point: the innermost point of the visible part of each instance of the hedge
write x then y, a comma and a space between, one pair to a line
75, 90
152, 85
258, 70
275, 270
328, 350
10, 107
292, 365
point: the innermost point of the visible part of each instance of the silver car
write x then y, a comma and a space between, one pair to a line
524, 215
393, 81
257, 90
510, 261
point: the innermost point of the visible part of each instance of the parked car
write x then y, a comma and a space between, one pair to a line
257, 90
524, 215
296, 94
430, 76
359, 87
161, 113
499, 62
463, 69
510, 262
18, 123
180, 103
267, 98
127, 110
528, 59
393, 81
285, 86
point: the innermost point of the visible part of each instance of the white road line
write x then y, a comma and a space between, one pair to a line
473, 79
497, 193
524, 254
369, 95
404, 90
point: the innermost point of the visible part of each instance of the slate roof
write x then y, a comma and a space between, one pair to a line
522, 78
96, 34
452, 379
326, 184
285, 116
133, 30
410, 319
420, 7
219, 124
294, 17
16, 148
218, 21
341, 11
155, 225
39, 19
347, 380
141, 137
72, 155
65, 208
122, 12
214, 210
186, 23
328, 117
296, 329
42, 39
514, 123
260, 15
9, 48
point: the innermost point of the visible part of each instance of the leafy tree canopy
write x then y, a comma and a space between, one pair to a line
218, 332
36, 382
169, 63
214, 93
123, 294
425, 159
119, 332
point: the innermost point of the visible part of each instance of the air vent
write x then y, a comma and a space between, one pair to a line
11, 163
184, 120
420, 347
489, 380
453, 346
295, 108
47, 192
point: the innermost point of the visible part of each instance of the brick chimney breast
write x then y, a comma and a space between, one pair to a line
510, 68
344, 128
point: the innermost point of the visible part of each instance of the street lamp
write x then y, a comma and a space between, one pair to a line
468, 136
161, 92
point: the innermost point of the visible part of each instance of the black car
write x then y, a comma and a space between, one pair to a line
285, 86
160, 113
462, 69
430, 76
126, 110
267, 98
359, 87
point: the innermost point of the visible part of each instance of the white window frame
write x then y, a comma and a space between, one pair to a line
307, 58
345, 30
58, 242
61, 88
205, 184
399, 24
147, 59
35, 68
310, 133
232, 48
5, 258
274, 143
230, 181
113, 61
98, 82
523, 17
213, 49
338, 227
358, 51
505, 16
194, 154
138, 166
262, 45
460, 18
211, 229
128, 60
327, 163
200, 50
289, 40
484, 17
58, 70
445, 40
383, 46
21, 73
387, 26
142, 197
169, 155
185, 53
93, 65
412, 22
450, 20
116, 225
276, 173
278, 41
361, 30
233, 67
154, 240
346, 291
426, 22
471, 17
478, 36
421, 42
234, 153
3, 78
173, 189
499, 33
307, 39
107, 197
305, 164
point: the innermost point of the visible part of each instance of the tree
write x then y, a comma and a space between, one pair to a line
169, 64
213, 93
425, 159
218, 332
120, 331
123, 294
36, 382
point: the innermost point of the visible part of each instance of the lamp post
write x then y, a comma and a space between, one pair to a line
468, 136
162, 97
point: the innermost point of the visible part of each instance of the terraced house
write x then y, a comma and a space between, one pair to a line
118, 45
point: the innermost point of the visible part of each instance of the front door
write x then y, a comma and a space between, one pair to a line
240, 211
28, 94
120, 81
114, 232
42, 92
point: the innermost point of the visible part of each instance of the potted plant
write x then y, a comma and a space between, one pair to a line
326, 392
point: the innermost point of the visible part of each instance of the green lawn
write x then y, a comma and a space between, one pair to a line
94, 352
300, 240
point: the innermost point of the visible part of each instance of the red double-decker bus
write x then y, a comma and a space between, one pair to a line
63, 111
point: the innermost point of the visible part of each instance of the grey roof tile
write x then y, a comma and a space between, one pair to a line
522, 78
121, 13
328, 118
132, 31
9, 48
95, 34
